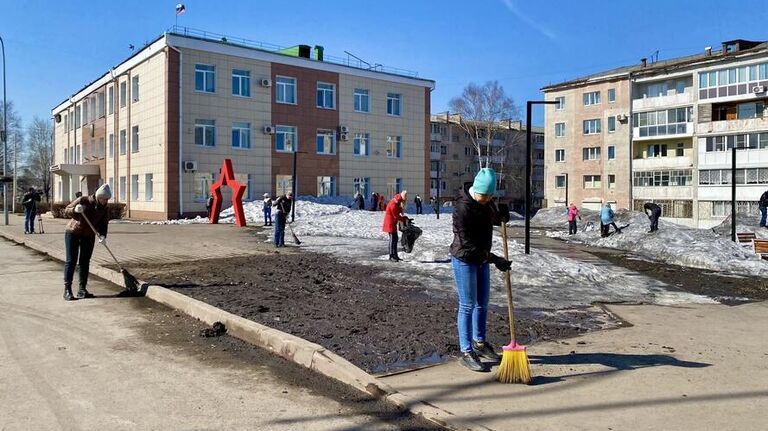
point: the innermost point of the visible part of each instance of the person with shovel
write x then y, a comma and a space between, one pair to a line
282, 208
392, 215
79, 238
474, 216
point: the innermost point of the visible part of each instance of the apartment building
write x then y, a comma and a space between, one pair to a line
157, 126
686, 115
453, 152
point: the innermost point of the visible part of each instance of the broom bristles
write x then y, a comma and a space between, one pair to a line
515, 367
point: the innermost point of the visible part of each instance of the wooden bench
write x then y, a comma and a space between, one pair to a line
761, 247
745, 238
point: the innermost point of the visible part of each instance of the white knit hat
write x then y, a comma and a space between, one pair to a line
104, 192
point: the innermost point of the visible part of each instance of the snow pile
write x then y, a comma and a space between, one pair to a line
672, 243
196, 220
744, 223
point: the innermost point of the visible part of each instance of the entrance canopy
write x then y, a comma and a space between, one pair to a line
73, 169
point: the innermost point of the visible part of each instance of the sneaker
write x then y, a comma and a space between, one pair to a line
486, 350
472, 361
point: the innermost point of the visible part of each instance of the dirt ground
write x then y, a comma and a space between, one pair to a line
377, 324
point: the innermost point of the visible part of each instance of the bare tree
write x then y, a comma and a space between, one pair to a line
39, 154
14, 135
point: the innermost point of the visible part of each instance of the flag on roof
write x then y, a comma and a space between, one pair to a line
180, 9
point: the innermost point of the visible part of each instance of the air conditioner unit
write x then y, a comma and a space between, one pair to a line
621, 117
343, 129
190, 166
269, 130
758, 89
344, 136
265, 82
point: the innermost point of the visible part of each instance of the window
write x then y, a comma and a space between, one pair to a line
363, 185
559, 130
592, 182
78, 110
135, 88
611, 95
86, 110
663, 178
241, 83
202, 188
667, 122
361, 144
326, 186
326, 142
435, 128
591, 127
592, 98
135, 187
590, 153
750, 110
148, 187
657, 150
394, 147
285, 90
611, 124
361, 100
560, 103
205, 133
111, 145
283, 184
135, 139
468, 151
326, 95
205, 78
111, 100
743, 176
123, 94
111, 182
611, 152
680, 150
285, 139
611, 181
241, 135
560, 181
394, 185
66, 153
77, 154
102, 150
122, 189
66, 123
101, 105
393, 104
560, 155
122, 142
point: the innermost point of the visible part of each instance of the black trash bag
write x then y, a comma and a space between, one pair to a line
410, 233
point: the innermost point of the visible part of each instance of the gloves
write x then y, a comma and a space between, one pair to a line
500, 263
79, 209
102, 240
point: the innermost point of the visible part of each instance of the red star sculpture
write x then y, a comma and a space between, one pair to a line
227, 178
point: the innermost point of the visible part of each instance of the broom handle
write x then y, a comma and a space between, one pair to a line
105, 246
508, 283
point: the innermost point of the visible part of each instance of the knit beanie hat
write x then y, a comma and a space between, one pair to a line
104, 192
485, 182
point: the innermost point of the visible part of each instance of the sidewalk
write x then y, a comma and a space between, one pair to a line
692, 367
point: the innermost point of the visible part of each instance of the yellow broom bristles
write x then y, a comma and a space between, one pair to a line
515, 367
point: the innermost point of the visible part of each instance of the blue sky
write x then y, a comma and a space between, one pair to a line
53, 48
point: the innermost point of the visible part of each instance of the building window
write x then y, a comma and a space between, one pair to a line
667, 122
592, 182
111, 100
590, 153
205, 133
611, 181
283, 184
363, 186
111, 182
101, 105
393, 104
326, 95
662, 178
241, 135
285, 139
436, 129
611, 152
148, 187
394, 147
111, 145
657, 150
135, 88
680, 151
560, 155
468, 151
285, 90
123, 94
123, 143
361, 100
134, 187
743, 176
326, 186
559, 181
77, 154
102, 150
241, 83
202, 189
560, 103
592, 127
611, 124
611, 95
135, 139
592, 98
122, 189
326, 142
78, 111
361, 144
559, 130
205, 78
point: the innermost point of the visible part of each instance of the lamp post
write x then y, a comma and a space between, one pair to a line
528, 162
733, 189
4, 136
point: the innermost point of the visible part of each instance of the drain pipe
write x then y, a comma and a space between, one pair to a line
631, 146
181, 129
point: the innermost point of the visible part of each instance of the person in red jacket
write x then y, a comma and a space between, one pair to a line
392, 215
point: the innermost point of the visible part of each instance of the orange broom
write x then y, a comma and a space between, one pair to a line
514, 367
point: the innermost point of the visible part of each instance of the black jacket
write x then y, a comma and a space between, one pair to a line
283, 205
473, 228
652, 207
764, 200
30, 199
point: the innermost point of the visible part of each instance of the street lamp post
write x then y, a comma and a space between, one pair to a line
528, 162
4, 136
733, 189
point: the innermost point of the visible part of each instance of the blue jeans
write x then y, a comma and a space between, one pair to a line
762, 216
29, 219
473, 284
268, 216
79, 250
280, 229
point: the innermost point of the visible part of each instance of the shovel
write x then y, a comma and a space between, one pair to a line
131, 283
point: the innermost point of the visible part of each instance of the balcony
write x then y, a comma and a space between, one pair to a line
660, 132
436, 137
722, 159
733, 126
434, 155
661, 102
493, 159
661, 163
668, 192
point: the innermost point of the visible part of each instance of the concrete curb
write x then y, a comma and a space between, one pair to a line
298, 350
